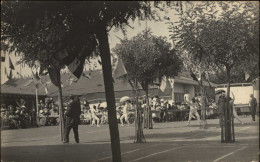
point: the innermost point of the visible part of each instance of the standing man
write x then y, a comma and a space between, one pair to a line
73, 118
252, 106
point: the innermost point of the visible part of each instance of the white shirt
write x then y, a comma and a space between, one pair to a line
193, 106
126, 107
93, 111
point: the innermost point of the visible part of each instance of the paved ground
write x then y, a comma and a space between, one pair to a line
167, 142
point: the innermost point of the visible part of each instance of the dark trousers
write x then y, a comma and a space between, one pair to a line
253, 110
75, 130
162, 115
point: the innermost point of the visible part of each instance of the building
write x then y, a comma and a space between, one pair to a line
92, 88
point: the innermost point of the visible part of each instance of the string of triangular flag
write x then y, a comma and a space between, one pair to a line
119, 69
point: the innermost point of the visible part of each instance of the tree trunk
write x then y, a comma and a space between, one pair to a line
37, 102
146, 114
109, 90
203, 107
139, 134
228, 113
61, 109
149, 113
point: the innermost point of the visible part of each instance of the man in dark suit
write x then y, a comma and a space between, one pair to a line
72, 118
252, 106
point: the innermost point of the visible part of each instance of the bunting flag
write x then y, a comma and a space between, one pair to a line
46, 89
19, 74
77, 65
10, 76
6, 72
2, 56
41, 71
70, 80
171, 82
119, 69
246, 76
54, 74
193, 76
76, 59
207, 77
36, 78
163, 84
11, 66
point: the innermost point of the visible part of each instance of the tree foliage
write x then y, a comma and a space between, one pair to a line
46, 31
148, 58
225, 33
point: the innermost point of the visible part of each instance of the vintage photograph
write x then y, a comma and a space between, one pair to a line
129, 81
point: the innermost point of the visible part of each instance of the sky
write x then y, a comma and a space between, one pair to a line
158, 28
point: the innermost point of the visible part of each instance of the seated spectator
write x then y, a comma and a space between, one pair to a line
53, 117
42, 118
13, 116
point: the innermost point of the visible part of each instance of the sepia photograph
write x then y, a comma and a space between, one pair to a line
129, 81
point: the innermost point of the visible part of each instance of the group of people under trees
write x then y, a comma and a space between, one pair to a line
17, 115
194, 105
48, 112
96, 115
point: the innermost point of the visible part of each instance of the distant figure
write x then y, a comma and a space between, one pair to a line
234, 110
126, 108
193, 111
21, 103
94, 116
187, 97
252, 106
73, 118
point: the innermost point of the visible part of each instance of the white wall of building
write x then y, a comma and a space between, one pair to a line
242, 94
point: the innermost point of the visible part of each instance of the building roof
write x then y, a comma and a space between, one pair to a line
93, 84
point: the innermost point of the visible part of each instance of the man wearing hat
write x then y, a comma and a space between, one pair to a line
220, 97
73, 118
252, 106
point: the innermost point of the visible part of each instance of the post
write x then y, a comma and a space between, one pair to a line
228, 116
60, 103
139, 137
37, 102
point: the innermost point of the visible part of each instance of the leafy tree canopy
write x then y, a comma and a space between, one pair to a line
226, 33
147, 58
58, 29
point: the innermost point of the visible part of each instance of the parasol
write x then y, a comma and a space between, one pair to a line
103, 104
125, 98
219, 91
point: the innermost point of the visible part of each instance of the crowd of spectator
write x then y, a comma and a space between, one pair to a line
18, 116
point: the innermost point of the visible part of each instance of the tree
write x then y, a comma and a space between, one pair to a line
199, 70
147, 58
226, 33
71, 29
40, 37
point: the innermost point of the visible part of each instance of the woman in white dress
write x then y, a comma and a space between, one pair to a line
193, 111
